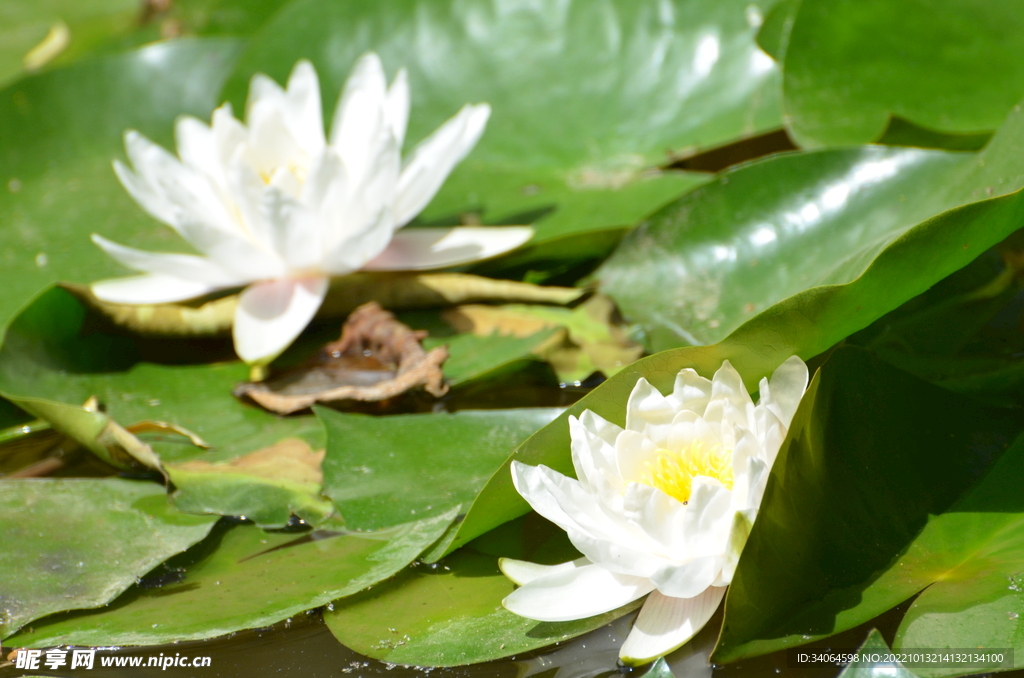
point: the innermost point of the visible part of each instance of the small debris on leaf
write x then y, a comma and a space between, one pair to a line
376, 358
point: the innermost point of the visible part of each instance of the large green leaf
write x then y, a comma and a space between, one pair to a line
805, 324
59, 132
78, 543
250, 579
450, 613
948, 65
700, 267
70, 27
381, 471
847, 527
586, 96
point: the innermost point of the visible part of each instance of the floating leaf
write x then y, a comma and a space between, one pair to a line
450, 613
78, 543
946, 65
381, 471
587, 97
242, 578
865, 507
701, 267
865, 668
267, 486
59, 132
805, 324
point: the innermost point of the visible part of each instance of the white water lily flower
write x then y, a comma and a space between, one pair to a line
276, 206
662, 507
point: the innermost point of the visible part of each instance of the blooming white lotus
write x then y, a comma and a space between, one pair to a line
276, 206
662, 507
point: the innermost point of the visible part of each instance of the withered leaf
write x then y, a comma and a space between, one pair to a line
376, 358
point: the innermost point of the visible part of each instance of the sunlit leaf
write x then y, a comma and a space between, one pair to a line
587, 97
948, 65
450, 613
701, 267
242, 577
78, 543
59, 132
381, 471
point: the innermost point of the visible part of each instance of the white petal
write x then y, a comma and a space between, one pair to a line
707, 518
727, 384
592, 457
272, 314
434, 159
363, 223
522, 571
575, 593
666, 624
304, 111
182, 266
602, 535
600, 426
659, 515
691, 392
149, 289
788, 383
690, 578
633, 451
416, 249
647, 406
359, 116
396, 106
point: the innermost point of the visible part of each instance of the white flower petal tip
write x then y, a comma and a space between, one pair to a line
665, 624
523, 572
269, 200
415, 249
271, 315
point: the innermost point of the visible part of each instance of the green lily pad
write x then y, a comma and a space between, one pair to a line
57, 354
450, 613
866, 668
698, 269
587, 97
806, 324
267, 486
381, 471
79, 543
59, 132
948, 66
472, 357
242, 578
866, 506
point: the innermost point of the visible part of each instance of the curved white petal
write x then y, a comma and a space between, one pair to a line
593, 458
272, 314
600, 426
522, 571
303, 108
183, 266
666, 624
658, 515
417, 249
689, 579
149, 289
434, 159
787, 386
601, 535
575, 593
691, 392
359, 116
396, 106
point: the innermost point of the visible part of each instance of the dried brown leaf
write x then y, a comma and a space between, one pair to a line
376, 358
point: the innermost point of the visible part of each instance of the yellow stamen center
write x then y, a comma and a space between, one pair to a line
673, 472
